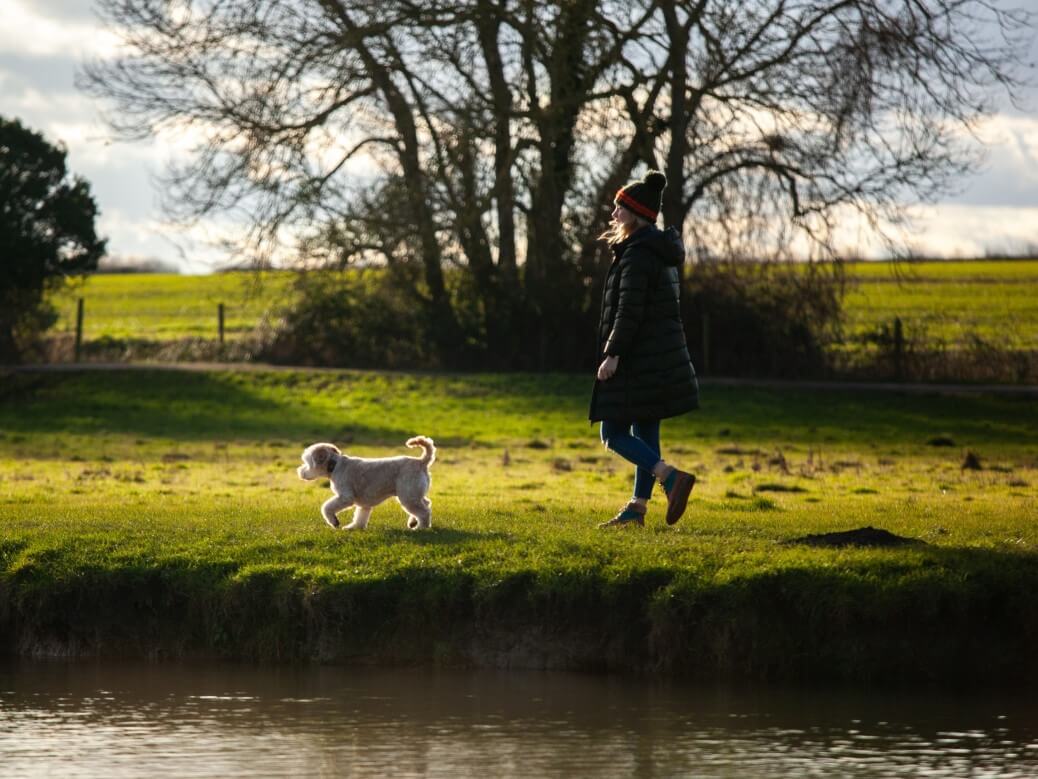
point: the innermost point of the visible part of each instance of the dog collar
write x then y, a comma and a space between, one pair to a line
332, 462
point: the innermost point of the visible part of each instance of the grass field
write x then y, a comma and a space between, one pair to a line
996, 300
165, 306
157, 512
950, 301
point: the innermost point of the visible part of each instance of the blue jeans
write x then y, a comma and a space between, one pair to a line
642, 448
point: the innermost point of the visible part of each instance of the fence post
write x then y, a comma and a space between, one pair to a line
219, 316
79, 328
705, 319
899, 350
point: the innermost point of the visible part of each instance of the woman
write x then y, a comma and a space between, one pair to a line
646, 374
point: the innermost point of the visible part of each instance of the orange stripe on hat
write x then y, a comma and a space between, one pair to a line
639, 208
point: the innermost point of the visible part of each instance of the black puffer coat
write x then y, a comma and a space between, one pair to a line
641, 324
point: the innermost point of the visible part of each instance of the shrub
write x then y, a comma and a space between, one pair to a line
914, 353
356, 319
762, 319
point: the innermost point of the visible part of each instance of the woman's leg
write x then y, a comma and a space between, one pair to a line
647, 431
643, 449
617, 438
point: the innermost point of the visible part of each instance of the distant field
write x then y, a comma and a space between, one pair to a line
996, 300
165, 306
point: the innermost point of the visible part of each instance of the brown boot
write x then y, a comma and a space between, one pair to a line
678, 486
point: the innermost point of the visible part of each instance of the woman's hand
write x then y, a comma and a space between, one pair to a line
608, 367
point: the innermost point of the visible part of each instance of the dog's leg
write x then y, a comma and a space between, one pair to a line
420, 513
333, 506
425, 516
360, 518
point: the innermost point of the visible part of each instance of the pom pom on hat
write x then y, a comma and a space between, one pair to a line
644, 197
655, 180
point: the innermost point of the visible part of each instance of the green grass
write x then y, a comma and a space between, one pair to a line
948, 301
158, 512
996, 300
983, 271
164, 306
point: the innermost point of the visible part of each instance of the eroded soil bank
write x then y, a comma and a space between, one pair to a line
805, 624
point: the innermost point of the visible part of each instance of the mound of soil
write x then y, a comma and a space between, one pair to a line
971, 462
862, 536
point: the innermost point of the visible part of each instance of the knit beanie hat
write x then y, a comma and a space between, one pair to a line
643, 197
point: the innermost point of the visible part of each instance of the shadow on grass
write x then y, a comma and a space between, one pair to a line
885, 418
386, 408
184, 405
440, 536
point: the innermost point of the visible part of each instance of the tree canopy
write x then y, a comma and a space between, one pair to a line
490, 135
47, 231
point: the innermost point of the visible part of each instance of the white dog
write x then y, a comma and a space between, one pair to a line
365, 483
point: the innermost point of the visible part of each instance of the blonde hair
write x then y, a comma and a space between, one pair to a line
618, 233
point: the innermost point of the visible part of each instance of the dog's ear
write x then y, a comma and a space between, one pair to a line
321, 455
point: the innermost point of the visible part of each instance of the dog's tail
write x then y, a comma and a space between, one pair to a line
427, 444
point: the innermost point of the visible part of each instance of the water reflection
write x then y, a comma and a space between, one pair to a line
219, 720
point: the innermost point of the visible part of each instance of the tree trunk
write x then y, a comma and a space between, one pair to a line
673, 196
551, 282
502, 296
447, 330
501, 97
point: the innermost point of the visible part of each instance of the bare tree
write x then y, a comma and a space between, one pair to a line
490, 135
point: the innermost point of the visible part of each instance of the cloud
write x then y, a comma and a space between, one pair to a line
946, 230
22, 73
1009, 176
65, 10
959, 230
190, 249
36, 28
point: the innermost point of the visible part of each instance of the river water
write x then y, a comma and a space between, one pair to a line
213, 720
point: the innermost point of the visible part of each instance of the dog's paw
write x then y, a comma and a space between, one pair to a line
333, 523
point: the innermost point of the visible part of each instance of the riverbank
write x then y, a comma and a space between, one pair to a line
959, 617
157, 514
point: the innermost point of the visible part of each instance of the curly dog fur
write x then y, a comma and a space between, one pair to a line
364, 482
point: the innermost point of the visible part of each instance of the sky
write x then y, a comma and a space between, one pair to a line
44, 42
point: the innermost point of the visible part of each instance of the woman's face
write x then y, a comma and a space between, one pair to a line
623, 217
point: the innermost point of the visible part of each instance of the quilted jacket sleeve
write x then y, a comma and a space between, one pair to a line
635, 278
